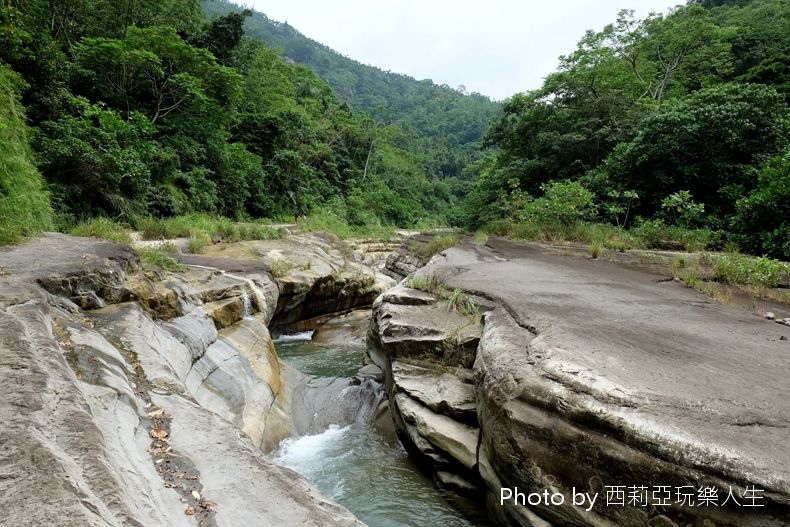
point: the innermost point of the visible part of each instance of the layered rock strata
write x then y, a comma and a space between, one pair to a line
590, 377
154, 406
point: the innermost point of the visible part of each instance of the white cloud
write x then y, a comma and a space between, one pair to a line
495, 47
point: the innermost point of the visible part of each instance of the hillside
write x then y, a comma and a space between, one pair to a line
159, 111
677, 125
451, 123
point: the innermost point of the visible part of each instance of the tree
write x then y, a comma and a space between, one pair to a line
761, 218
707, 143
156, 70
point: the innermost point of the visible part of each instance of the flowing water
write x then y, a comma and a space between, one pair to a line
355, 465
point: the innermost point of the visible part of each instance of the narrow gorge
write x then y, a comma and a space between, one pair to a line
135, 396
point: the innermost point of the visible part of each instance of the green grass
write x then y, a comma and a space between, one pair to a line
24, 204
433, 283
204, 226
281, 267
596, 248
438, 244
160, 258
198, 242
103, 228
649, 235
460, 302
457, 300
327, 221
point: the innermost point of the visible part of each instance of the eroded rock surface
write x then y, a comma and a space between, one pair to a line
156, 408
588, 375
426, 352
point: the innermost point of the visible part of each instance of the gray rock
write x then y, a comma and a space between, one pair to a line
88, 271
443, 392
248, 489
371, 371
455, 439
590, 371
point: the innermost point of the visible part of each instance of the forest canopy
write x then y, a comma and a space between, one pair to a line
152, 109
655, 118
676, 125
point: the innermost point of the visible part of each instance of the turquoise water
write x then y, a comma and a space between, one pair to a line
319, 359
356, 465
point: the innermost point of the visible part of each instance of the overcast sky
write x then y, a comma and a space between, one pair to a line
494, 47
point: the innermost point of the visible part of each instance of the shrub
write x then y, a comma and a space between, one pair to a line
762, 217
564, 203
738, 269
655, 234
681, 209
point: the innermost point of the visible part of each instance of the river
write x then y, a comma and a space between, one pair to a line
356, 465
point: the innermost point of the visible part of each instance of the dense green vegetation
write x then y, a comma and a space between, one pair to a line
24, 205
676, 126
669, 132
146, 110
445, 125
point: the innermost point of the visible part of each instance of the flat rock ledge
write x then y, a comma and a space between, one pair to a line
587, 377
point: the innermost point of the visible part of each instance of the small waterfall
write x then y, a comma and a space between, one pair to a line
362, 401
305, 336
246, 303
250, 287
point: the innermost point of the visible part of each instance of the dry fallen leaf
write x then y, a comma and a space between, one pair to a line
189, 511
157, 433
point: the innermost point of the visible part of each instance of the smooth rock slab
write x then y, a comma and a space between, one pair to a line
247, 488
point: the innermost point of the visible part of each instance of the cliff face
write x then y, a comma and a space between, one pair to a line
154, 406
582, 376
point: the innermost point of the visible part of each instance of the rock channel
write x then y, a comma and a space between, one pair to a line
132, 396
138, 397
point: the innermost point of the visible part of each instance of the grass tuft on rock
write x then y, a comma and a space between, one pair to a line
160, 257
